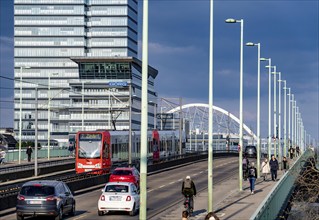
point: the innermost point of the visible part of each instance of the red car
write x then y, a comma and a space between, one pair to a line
126, 174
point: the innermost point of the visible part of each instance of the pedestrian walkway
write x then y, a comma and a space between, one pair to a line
228, 202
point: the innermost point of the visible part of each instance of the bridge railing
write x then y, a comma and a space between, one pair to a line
277, 198
13, 155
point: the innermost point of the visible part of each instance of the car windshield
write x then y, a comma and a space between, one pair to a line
40, 190
122, 172
117, 188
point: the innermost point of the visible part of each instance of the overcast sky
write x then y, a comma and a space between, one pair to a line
179, 47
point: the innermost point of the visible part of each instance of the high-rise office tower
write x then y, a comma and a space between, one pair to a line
74, 94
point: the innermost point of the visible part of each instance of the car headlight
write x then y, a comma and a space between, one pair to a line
98, 165
80, 165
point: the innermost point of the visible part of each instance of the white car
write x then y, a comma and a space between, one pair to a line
119, 196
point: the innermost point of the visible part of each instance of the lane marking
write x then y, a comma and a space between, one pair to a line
81, 217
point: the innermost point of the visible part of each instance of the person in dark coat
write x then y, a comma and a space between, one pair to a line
245, 167
252, 175
297, 151
29, 152
285, 164
273, 163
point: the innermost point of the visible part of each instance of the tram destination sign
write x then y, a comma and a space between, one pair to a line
90, 136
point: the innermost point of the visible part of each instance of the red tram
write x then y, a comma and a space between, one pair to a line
97, 150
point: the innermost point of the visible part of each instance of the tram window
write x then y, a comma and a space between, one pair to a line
114, 149
150, 145
105, 151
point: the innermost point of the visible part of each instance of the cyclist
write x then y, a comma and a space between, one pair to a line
189, 189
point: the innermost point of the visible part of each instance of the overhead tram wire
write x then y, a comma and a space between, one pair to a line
46, 86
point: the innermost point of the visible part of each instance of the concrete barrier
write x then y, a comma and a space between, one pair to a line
30, 172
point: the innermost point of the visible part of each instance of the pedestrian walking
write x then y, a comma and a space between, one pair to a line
185, 215
29, 152
291, 152
70, 150
2, 156
297, 151
245, 167
252, 175
273, 163
211, 216
265, 169
285, 164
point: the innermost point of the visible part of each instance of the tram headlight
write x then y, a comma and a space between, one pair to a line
80, 165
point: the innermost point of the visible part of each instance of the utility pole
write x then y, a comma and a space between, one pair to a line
130, 126
36, 134
180, 126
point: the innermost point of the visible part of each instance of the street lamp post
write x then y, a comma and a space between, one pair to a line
279, 118
210, 113
144, 118
269, 105
130, 126
20, 117
82, 105
296, 126
289, 119
275, 112
258, 106
241, 118
49, 112
285, 117
292, 119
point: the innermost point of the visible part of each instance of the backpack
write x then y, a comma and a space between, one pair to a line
251, 172
187, 184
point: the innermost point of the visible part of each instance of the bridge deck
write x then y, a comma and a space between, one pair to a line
229, 202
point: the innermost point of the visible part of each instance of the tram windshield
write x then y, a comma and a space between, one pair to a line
89, 146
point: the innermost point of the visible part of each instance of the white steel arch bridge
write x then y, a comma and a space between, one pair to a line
224, 121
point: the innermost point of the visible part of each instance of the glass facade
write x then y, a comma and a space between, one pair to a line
46, 34
101, 70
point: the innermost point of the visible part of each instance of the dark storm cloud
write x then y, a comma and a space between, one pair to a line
287, 31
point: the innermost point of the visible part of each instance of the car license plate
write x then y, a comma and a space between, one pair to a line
115, 198
35, 202
87, 170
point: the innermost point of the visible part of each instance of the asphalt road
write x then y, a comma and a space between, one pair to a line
164, 190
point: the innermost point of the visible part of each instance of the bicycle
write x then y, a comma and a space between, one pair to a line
187, 205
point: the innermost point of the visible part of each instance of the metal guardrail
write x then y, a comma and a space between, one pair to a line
276, 199
30, 166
